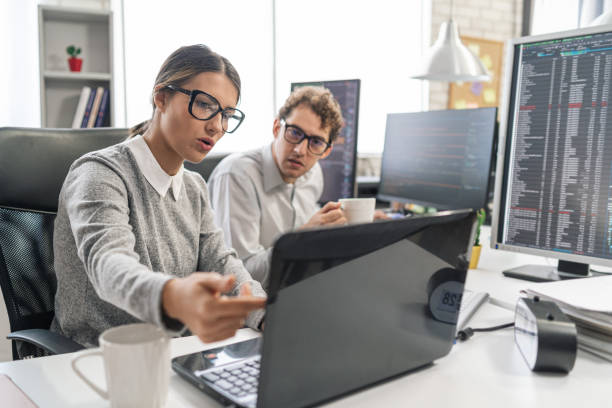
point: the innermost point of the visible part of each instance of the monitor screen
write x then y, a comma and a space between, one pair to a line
339, 168
440, 159
553, 193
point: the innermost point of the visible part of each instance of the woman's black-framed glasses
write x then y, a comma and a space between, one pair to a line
294, 135
203, 106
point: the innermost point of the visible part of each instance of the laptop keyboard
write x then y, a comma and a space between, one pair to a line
239, 379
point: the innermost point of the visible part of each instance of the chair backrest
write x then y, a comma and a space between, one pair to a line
33, 165
206, 166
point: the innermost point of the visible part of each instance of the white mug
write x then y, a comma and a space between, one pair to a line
136, 363
358, 210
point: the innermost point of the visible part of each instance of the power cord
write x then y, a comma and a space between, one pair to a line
465, 334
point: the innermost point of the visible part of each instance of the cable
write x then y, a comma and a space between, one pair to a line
465, 334
599, 273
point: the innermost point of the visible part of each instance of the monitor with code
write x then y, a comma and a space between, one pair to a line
339, 168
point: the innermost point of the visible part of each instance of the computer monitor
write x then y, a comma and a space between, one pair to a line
339, 168
438, 159
554, 186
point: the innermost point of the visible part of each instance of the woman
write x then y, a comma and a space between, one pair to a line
133, 226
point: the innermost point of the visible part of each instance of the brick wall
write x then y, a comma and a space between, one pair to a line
497, 20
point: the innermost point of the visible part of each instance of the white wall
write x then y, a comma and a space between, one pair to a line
378, 42
316, 40
118, 94
240, 31
566, 15
19, 81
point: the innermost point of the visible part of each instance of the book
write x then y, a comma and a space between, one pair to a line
88, 107
103, 111
80, 110
93, 115
591, 295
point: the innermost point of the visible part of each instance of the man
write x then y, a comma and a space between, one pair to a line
261, 194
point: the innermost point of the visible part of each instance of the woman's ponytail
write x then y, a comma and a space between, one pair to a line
139, 129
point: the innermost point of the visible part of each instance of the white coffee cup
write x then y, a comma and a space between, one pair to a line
358, 210
136, 363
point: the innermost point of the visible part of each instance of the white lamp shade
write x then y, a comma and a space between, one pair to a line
449, 60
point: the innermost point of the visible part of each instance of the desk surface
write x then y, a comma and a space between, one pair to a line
484, 371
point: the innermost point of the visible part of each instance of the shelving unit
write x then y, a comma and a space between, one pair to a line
92, 31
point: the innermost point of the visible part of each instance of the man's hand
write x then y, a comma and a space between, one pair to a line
330, 214
197, 301
380, 216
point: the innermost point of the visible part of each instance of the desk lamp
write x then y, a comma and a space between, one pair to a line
449, 59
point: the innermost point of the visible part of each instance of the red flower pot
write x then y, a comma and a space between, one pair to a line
75, 64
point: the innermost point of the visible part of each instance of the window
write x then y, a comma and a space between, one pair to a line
240, 30
550, 16
378, 42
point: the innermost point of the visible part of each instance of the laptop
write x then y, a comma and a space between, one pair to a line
348, 307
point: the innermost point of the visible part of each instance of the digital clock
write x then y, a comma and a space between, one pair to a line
445, 292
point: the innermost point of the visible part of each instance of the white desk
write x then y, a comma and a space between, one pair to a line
485, 371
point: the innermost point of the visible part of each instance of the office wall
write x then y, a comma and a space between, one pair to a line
240, 30
378, 42
497, 20
20, 96
314, 40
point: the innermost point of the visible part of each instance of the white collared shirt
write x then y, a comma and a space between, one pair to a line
150, 168
254, 206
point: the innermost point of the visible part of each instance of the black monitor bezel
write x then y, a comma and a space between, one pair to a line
295, 85
505, 141
439, 206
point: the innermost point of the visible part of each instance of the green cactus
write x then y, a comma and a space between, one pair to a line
73, 51
481, 215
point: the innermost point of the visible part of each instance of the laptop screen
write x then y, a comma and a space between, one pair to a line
349, 307
352, 306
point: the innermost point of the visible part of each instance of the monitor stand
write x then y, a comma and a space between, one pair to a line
545, 273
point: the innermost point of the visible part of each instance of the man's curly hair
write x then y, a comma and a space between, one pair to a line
322, 103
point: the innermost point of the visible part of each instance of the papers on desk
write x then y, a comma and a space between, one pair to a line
588, 302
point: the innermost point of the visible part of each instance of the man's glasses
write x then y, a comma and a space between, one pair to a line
203, 106
294, 135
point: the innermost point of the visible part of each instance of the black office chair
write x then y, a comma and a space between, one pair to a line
33, 165
206, 166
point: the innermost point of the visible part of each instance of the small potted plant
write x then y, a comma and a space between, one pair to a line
74, 62
480, 219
